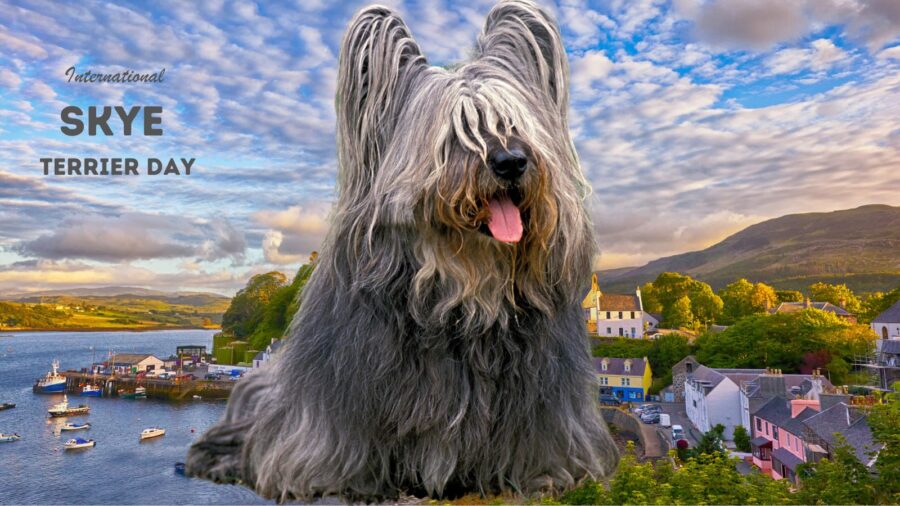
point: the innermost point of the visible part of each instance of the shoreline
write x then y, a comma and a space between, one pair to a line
108, 329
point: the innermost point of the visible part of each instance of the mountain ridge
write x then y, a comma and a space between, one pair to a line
859, 247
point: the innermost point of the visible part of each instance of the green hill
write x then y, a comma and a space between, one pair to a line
859, 247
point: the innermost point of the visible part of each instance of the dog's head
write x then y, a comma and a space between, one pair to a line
475, 161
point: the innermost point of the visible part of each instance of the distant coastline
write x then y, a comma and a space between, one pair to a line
109, 329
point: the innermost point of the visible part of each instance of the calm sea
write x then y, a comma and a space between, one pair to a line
119, 470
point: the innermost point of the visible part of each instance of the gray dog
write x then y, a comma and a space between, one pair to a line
440, 346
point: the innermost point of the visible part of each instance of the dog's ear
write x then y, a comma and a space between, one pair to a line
522, 38
379, 61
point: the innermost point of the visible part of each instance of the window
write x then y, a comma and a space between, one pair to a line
608, 315
604, 380
608, 330
620, 315
633, 332
775, 432
626, 382
603, 364
632, 315
758, 425
695, 403
621, 332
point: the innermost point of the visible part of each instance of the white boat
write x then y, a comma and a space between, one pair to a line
152, 432
9, 438
63, 409
197, 397
76, 426
78, 443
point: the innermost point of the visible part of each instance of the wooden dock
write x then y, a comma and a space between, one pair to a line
167, 389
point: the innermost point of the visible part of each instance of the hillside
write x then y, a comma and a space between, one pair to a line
130, 308
859, 247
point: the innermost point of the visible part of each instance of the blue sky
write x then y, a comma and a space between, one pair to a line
693, 119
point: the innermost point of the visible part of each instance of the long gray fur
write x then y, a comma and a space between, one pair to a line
427, 357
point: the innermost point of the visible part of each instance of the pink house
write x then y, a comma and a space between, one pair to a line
778, 445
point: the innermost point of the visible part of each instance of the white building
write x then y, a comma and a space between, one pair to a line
887, 324
133, 363
616, 315
265, 355
713, 396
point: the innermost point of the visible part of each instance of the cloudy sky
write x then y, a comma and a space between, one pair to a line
693, 119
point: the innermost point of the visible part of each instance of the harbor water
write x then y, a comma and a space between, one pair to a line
120, 469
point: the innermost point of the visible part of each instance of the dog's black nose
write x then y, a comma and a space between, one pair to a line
509, 165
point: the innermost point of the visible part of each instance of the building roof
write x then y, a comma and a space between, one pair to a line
889, 346
619, 302
777, 411
793, 307
843, 419
760, 441
889, 315
617, 366
130, 358
787, 458
802, 382
712, 377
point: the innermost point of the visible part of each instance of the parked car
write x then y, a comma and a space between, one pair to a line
652, 417
665, 420
677, 432
610, 400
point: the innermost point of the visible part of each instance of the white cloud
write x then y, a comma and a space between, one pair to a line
821, 56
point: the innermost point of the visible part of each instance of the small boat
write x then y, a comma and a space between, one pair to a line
7, 405
52, 383
91, 391
137, 393
179, 468
197, 397
9, 438
76, 426
63, 409
78, 443
152, 432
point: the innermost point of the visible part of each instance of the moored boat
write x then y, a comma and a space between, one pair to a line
52, 383
78, 443
9, 438
7, 405
137, 393
152, 432
75, 426
179, 468
91, 391
63, 409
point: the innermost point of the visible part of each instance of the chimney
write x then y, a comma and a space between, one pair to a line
798, 405
843, 303
771, 384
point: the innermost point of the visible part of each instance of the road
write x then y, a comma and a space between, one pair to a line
677, 416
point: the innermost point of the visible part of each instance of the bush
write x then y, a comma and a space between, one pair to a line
741, 439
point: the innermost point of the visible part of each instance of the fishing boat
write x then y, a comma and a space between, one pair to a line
76, 426
137, 393
52, 383
197, 398
91, 391
152, 432
9, 438
7, 405
78, 443
179, 468
63, 409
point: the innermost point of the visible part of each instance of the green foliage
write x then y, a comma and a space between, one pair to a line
678, 314
788, 296
278, 313
741, 439
743, 298
884, 421
877, 303
839, 295
665, 295
710, 442
34, 316
247, 308
785, 340
706, 479
843, 479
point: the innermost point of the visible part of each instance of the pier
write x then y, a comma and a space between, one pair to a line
168, 389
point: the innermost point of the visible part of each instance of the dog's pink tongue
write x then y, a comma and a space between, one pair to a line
506, 220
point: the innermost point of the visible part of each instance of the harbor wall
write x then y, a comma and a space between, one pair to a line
156, 388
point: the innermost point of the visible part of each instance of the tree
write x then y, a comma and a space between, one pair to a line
736, 299
884, 421
876, 303
842, 479
762, 298
679, 314
280, 310
710, 442
783, 340
741, 439
248, 305
839, 295
788, 296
